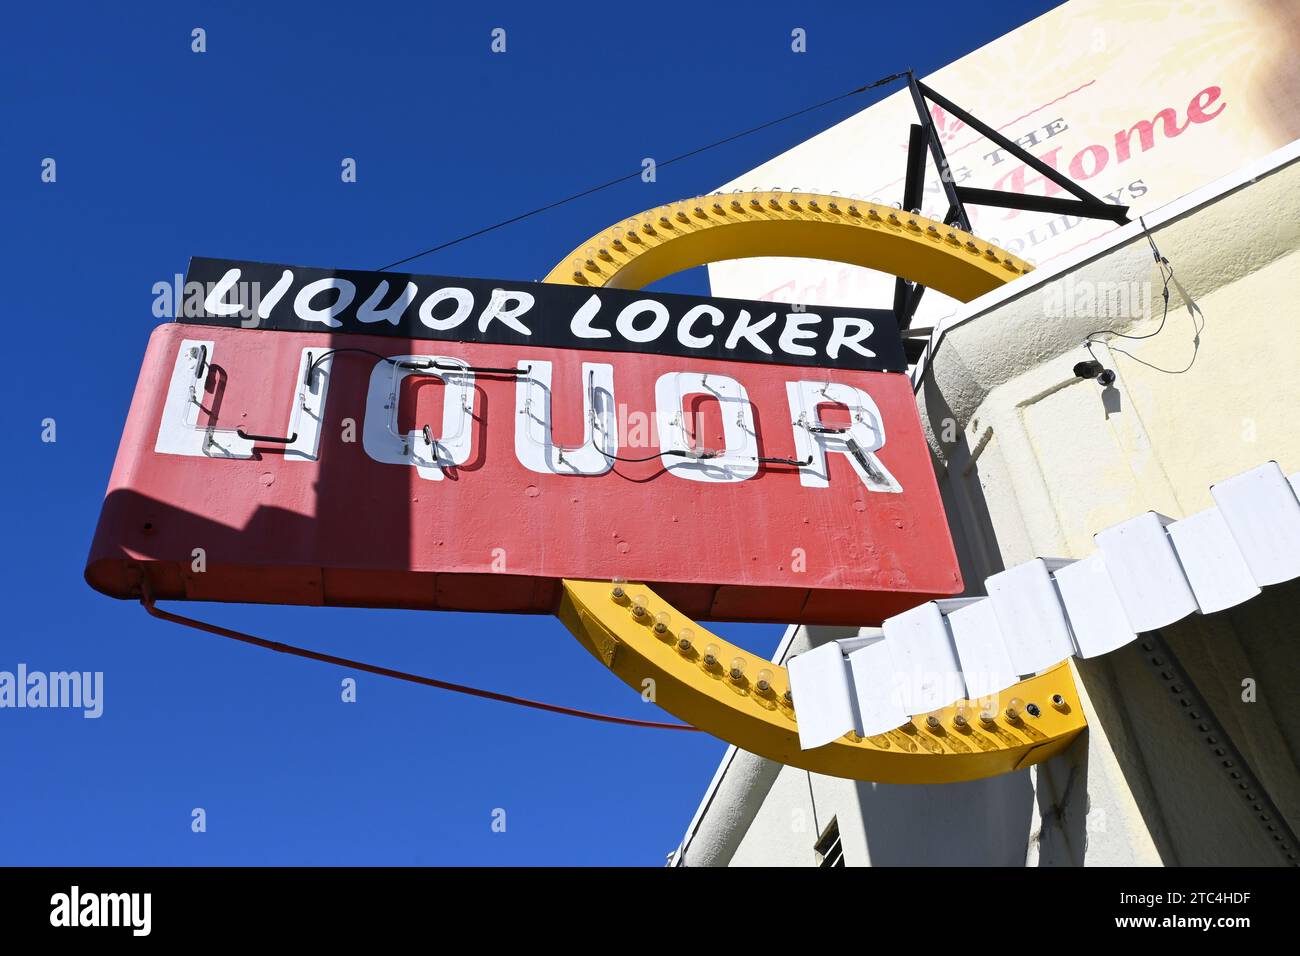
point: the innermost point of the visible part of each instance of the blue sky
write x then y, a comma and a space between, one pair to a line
163, 153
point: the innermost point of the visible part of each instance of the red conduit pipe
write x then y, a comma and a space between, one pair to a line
147, 602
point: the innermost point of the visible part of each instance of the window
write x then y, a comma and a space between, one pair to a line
828, 849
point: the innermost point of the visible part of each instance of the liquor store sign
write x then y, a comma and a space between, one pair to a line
294, 299
378, 439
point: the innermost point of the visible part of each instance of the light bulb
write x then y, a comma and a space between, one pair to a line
934, 720
737, 668
764, 681
638, 605
619, 590
711, 652
661, 622
685, 640
988, 715
961, 716
1014, 707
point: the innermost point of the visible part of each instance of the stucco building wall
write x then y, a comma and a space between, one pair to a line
1032, 461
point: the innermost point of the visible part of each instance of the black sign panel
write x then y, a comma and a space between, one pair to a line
258, 295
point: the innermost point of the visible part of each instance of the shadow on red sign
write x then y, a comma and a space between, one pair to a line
310, 468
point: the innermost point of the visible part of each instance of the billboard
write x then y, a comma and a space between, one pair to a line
348, 438
1138, 102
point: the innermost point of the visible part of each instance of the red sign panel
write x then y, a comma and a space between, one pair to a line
329, 469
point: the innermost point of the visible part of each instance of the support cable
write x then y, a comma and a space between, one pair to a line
622, 179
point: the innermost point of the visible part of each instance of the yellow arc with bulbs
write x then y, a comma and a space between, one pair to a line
712, 684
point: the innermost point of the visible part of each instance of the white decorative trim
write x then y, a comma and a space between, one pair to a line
1148, 572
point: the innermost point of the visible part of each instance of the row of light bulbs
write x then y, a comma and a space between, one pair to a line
685, 640
1014, 712
633, 227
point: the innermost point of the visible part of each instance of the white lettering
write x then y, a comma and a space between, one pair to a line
499, 308
840, 336
464, 305
369, 311
627, 318
750, 333
581, 325
302, 306
737, 460
684, 334
534, 425
794, 322
858, 441
428, 451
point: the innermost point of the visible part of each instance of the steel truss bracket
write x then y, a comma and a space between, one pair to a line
925, 139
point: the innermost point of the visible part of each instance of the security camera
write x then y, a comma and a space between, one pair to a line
1094, 369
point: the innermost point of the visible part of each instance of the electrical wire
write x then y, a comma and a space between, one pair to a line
676, 452
440, 366
622, 179
147, 602
1167, 276
1167, 273
700, 456
311, 369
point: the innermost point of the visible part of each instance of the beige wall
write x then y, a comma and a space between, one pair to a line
1033, 461
1037, 461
